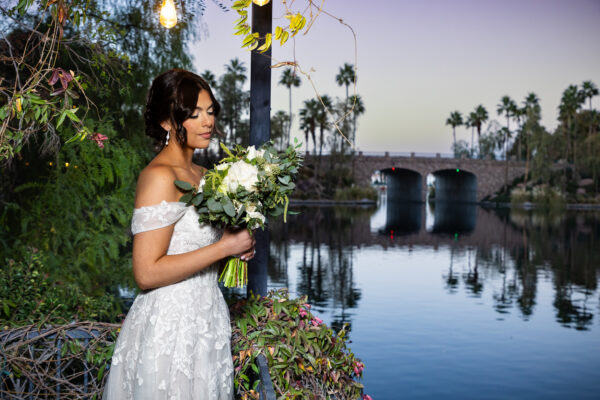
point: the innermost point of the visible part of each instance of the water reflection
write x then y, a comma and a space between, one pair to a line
454, 218
403, 220
501, 252
328, 237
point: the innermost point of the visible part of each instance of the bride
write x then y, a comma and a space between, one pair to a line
175, 341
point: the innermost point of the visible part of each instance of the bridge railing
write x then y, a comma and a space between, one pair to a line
394, 154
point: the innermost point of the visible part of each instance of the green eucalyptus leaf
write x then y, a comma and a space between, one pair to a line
186, 197
214, 205
228, 207
198, 199
183, 185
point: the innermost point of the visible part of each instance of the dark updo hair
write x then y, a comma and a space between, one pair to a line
173, 97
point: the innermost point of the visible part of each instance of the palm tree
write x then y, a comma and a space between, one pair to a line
454, 120
470, 123
230, 89
358, 108
532, 111
279, 129
210, 78
519, 116
589, 90
508, 107
308, 121
345, 77
571, 101
289, 79
322, 120
480, 116
237, 69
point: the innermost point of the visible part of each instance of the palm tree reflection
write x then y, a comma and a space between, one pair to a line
501, 252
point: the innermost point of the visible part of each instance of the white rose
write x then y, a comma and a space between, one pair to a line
221, 167
241, 173
256, 215
253, 153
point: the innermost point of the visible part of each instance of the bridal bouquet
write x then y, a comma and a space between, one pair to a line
241, 191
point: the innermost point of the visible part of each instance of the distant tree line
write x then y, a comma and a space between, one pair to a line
575, 142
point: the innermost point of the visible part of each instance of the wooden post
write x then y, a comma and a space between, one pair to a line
260, 132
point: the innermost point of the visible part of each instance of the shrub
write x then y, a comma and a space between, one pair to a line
519, 195
548, 197
306, 359
355, 193
29, 296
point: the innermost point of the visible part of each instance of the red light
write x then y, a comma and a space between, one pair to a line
392, 234
393, 168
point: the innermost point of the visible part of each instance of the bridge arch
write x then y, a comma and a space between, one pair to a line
455, 185
403, 185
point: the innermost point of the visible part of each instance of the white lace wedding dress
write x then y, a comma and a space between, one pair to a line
175, 341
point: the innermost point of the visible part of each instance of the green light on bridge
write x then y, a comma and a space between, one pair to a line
457, 170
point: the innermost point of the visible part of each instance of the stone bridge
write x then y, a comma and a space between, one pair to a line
456, 179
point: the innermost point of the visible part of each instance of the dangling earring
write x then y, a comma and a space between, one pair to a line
167, 138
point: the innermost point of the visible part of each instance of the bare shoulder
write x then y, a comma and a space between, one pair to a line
155, 184
200, 170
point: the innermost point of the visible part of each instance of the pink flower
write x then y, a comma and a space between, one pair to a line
302, 312
64, 77
316, 321
98, 138
307, 306
356, 371
367, 397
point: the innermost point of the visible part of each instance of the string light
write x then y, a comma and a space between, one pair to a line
261, 2
168, 14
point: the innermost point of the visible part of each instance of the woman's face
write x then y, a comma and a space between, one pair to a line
200, 125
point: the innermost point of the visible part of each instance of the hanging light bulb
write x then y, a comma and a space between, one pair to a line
261, 2
168, 14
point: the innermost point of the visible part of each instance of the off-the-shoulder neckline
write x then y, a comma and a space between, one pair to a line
169, 202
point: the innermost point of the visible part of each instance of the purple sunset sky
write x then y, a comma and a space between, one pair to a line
419, 60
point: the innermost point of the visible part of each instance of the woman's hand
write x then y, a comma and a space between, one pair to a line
239, 242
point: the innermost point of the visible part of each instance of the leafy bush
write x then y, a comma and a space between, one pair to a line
519, 195
355, 193
548, 197
78, 216
306, 359
28, 296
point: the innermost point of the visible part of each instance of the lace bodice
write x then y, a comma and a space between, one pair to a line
175, 341
188, 234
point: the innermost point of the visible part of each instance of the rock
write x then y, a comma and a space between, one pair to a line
586, 182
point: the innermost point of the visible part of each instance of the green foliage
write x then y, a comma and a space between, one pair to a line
251, 40
306, 358
355, 193
28, 295
218, 204
114, 50
573, 146
78, 215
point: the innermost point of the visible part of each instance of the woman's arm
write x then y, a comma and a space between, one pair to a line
152, 267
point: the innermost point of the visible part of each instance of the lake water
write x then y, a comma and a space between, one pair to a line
453, 301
